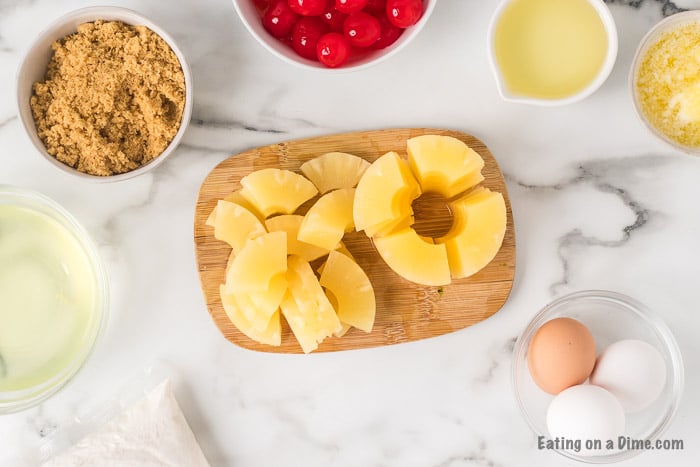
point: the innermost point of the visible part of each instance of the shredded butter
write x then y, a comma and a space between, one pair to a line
112, 99
668, 84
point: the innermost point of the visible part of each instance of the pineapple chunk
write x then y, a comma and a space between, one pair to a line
477, 231
414, 259
235, 197
231, 257
334, 170
344, 250
297, 323
238, 198
444, 164
343, 330
276, 191
290, 223
305, 306
211, 220
258, 307
384, 195
260, 260
328, 219
271, 334
352, 290
234, 225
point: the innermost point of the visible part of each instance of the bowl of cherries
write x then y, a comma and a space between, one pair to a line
338, 35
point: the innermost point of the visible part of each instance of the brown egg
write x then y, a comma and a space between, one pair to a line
561, 354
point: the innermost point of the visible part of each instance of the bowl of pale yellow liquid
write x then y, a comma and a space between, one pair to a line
551, 52
53, 298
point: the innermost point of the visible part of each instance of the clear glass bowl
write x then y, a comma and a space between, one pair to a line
16, 400
610, 317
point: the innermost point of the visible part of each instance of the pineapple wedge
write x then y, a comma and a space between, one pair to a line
235, 197
276, 191
234, 225
306, 308
290, 223
238, 198
352, 290
260, 260
334, 170
258, 307
383, 196
477, 231
328, 219
444, 164
413, 258
271, 334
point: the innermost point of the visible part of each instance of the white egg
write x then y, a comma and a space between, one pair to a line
632, 370
586, 413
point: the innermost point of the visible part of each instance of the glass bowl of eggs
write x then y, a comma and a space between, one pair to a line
597, 376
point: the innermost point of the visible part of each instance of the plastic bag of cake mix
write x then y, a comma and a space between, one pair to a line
142, 427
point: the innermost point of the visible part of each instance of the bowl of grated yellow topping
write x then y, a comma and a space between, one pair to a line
665, 81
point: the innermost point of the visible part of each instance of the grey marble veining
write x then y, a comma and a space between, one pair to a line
667, 7
607, 176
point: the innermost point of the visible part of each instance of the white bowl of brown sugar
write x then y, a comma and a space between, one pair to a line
104, 94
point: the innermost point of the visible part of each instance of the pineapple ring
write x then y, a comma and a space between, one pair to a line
444, 165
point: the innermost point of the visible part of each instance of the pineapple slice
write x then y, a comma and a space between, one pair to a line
231, 257
234, 225
305, 306
271, 334
328, 219
477, 232
343, 330
344, 250
341, 249
352, 290
258, 307
344, 326
238, 198
260, 260
413, 258
444, 164
290, 223
276, 191
383, 196
235, 197
334, 170
211, 220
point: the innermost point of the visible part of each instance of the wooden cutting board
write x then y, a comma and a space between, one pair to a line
405, 311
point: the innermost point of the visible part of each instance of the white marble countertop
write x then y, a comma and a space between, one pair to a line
597, 201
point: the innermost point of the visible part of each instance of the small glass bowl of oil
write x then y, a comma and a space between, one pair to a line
53, 298
551, 52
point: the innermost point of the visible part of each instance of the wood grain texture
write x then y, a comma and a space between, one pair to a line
405, 311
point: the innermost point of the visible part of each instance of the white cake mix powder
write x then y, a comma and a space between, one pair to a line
151, 433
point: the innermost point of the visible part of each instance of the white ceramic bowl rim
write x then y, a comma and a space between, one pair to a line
610, 57
286, 54
49, 35
15, 401
660, 329
666, 24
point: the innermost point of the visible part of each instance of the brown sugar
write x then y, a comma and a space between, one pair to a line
112, 99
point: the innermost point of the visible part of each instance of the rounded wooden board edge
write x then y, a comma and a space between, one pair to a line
224, 178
